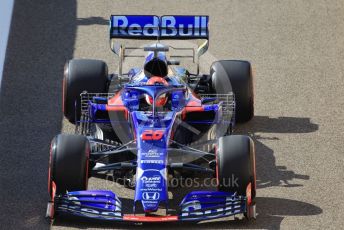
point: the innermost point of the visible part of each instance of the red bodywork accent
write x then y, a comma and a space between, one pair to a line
150, 218
116, 104
194, 105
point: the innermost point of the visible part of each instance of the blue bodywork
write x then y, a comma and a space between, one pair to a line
151, 173
151, 190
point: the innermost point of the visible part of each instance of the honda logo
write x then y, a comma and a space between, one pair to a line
150, 195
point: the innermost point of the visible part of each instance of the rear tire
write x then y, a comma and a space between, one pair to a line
82, 75
68, 166
235, 76
236, 169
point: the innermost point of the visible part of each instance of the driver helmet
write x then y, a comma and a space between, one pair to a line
162, 99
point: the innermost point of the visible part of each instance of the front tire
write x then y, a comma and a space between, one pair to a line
235, 76
68, 165
82, 75
235, 158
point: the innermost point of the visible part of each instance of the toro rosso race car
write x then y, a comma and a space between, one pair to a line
154, 123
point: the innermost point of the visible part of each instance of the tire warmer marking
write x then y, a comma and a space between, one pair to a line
249, 194
52, 211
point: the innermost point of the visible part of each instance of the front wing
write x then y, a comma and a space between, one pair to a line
105, 205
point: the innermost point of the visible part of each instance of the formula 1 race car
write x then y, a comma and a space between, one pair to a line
155, 123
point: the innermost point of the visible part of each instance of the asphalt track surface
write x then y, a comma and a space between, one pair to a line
297, 49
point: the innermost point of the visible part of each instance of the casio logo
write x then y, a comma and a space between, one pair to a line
151, 179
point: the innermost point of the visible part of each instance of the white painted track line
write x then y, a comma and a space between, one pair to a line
6, 7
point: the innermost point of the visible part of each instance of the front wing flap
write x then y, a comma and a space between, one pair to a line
105, 205
92, 204
201, 205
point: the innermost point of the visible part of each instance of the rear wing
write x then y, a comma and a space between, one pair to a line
155, 27
167, 27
